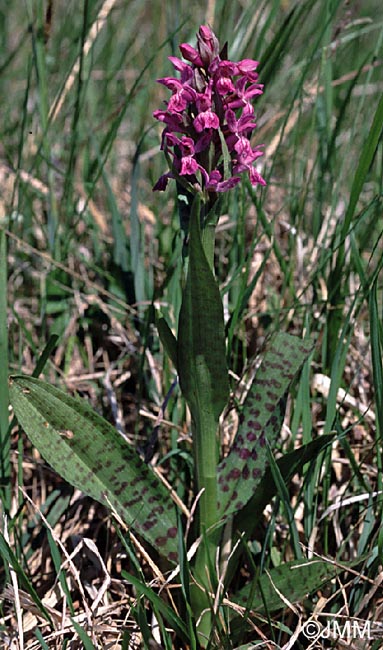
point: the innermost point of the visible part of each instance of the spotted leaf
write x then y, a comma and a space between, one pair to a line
260, 420
90, 454
295, 580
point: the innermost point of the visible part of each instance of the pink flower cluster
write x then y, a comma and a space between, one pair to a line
209, 118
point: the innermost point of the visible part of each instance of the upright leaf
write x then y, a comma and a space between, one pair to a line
91, 455
240, 473
168, 340
247, 519
201, 333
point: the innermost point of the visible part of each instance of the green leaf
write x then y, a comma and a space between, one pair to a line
40, 638
166, 611
8, 556
90, 454
201, 334
288, 465
84, 638
168, 340
250, 646
338, 275
61, 575
241, 471
287, 507
376, 355
120, 248
365, 159
5, 438
295, 580
247, 519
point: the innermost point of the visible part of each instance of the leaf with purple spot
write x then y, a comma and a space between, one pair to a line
260, 421
90, 454
293, 580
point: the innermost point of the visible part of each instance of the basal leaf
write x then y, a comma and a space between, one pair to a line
295, 580
91, 455
247, 519
260, 420
201, 334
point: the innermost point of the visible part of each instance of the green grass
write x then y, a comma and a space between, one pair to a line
90, 248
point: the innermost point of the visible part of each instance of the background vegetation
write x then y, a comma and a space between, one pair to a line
92, 252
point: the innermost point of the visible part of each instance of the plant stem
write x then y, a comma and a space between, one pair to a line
206, 445
206, 455
206, 459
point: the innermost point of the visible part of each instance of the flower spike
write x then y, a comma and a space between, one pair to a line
208, 116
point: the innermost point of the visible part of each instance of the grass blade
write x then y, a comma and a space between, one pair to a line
5, 440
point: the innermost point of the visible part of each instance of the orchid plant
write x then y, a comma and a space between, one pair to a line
208, 122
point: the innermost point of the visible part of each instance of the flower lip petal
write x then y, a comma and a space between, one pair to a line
225, 85
256, 178
170, 82
231, 120
227, 68
187, 146
204, 99
177, 103
206, 120
247, 65
189, 166
215, 184
244, 150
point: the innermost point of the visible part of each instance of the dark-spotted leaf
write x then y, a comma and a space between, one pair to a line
261, 418
90, 454
248, 518
295, 580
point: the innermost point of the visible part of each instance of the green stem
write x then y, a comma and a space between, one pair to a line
5, 461
201, 364
206, 456
206, 460
206, 445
